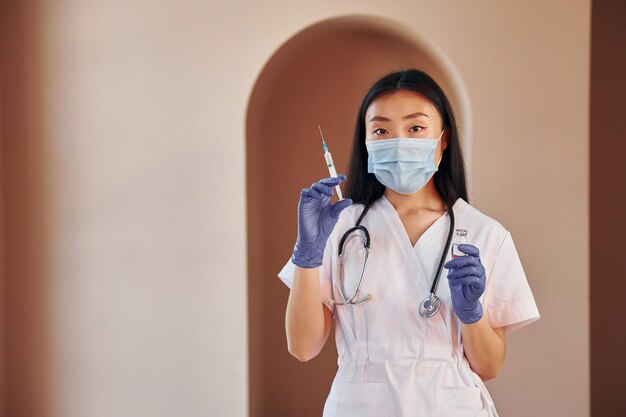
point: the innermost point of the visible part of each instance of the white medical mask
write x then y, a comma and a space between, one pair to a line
403, 164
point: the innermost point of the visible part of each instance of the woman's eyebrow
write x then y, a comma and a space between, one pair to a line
410, 116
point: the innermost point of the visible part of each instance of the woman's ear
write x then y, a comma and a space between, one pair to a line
444, 140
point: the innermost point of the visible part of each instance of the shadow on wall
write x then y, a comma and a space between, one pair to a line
319, 76
24, 351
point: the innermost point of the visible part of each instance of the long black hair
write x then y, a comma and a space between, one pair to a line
363, 187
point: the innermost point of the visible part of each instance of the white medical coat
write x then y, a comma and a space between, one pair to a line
392, 362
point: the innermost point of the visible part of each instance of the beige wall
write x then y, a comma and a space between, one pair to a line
144, 132
144, 110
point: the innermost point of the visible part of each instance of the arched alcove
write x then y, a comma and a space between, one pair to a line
319, 76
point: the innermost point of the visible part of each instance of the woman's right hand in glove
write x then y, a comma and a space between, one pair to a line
316, 219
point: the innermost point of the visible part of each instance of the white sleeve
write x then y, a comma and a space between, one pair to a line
325, 275
508, 300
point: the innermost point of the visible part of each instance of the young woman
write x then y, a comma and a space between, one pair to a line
409, 344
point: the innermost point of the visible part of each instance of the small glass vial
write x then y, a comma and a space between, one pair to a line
460, 237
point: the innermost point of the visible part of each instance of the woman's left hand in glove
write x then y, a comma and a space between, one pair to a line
466, 278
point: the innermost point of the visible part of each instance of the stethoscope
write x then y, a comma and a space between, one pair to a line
431, 304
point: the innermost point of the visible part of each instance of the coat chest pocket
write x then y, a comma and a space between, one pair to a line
458, 402
358, 399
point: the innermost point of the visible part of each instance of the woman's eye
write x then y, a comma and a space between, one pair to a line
380, 131
414, 128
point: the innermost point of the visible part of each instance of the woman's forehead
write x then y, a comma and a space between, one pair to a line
399, 104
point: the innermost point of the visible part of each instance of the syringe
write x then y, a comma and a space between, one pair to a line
330, 164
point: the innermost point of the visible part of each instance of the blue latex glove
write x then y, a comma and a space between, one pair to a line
467, 283
316, 219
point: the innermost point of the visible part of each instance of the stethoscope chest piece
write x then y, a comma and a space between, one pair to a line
430, 306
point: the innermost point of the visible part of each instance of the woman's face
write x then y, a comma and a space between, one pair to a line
405, 114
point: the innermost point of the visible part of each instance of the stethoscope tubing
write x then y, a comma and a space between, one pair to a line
433, 288
366, 243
